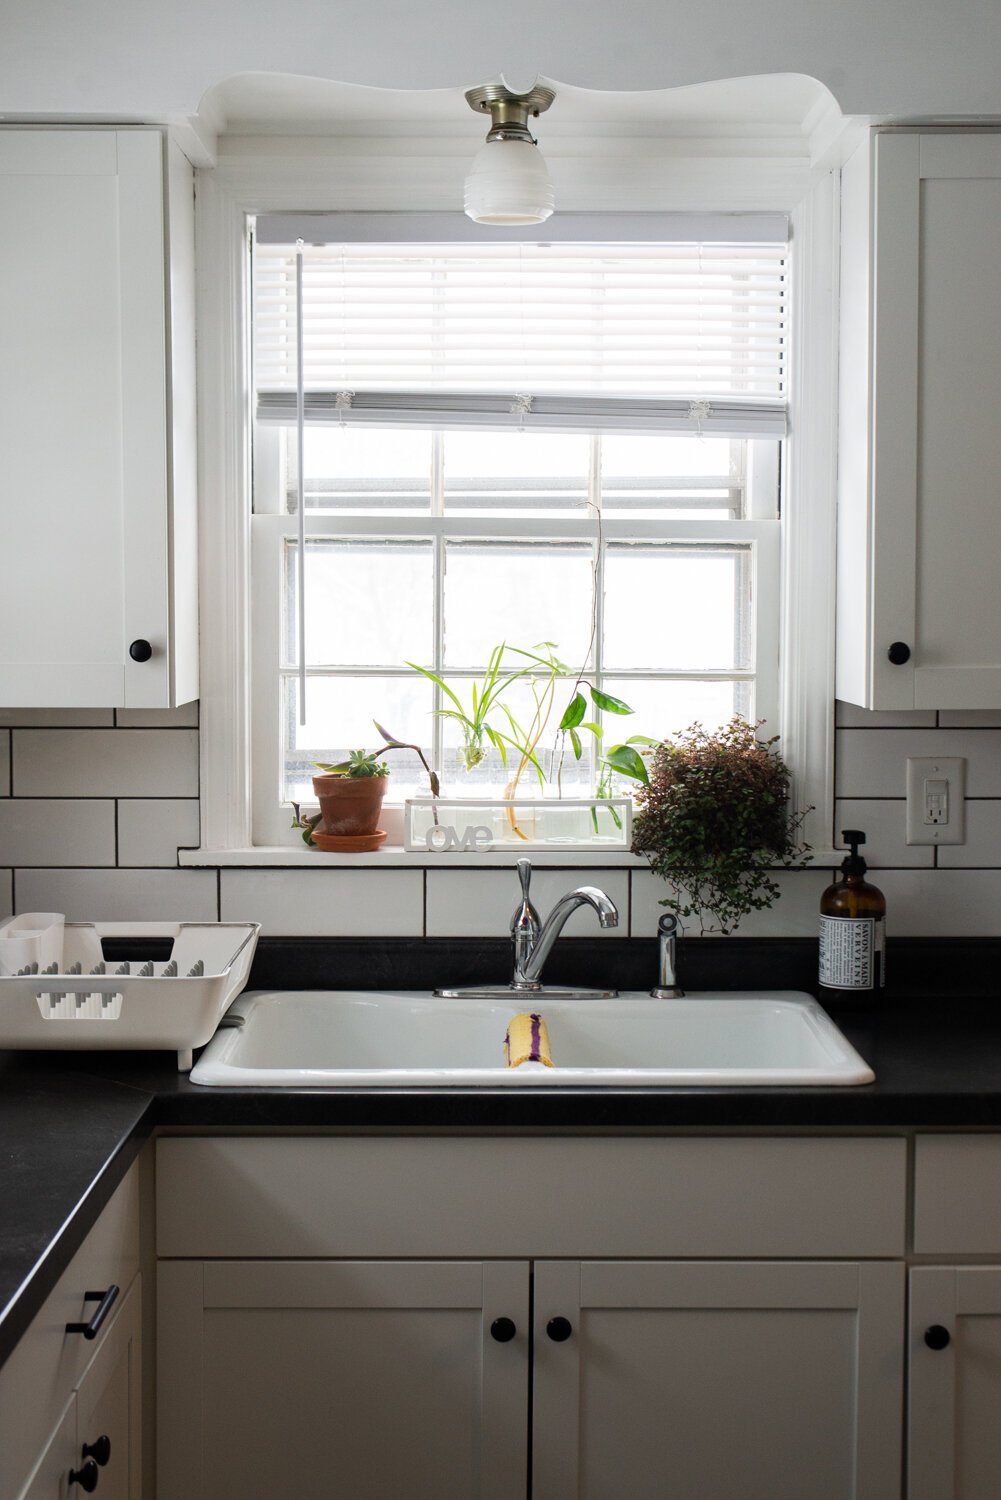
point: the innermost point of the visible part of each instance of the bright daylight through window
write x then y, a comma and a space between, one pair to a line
568, 450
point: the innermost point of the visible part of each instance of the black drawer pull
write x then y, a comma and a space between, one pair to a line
86, 1476
503, 1330
559, 1329
140, 650
92, 1329
99, 1451
937, 1337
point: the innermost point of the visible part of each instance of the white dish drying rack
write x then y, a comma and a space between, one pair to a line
57, 989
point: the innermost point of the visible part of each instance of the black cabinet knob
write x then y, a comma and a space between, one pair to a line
559, 1329
86, 1476
99, 1451
937, 1337
140, 651
503, 1330
898, 653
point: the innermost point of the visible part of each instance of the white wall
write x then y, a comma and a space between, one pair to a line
142, 59
92, 813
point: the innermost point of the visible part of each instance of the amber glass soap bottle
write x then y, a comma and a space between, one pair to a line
853, 929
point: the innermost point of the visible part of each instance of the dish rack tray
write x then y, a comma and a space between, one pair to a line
82, 998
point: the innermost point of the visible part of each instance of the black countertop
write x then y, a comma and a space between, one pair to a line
71, 1123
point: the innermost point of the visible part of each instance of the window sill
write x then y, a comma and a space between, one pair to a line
394, 857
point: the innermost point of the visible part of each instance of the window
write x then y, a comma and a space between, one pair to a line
572, 444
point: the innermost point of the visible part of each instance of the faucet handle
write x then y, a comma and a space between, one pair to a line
525, 918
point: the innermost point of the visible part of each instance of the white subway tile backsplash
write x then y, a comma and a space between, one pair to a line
970, 718
185, 717
52, 831
850, 716
151, 830
120, 895
794, 913
942, 903
885, 827
983, 839
105, 762
874, 765
57, 718
479, 903
326, 903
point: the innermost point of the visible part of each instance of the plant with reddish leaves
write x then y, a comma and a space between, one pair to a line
714, 821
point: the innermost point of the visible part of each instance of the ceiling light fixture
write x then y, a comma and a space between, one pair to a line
508, 182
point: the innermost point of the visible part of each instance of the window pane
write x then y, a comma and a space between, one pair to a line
644, 476
515, 473
676, 607
361, 471
339, 718
662, 709
368, 603
522, 594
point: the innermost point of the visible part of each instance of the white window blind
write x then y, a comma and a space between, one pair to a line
680, 336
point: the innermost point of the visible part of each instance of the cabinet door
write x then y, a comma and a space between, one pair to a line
735, 1380
920, 438
324, 1379
84, 404
108, 1406
50, 1478
954, 1392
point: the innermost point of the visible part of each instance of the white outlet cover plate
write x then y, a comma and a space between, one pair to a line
948, 768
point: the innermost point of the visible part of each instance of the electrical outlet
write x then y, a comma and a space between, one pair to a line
936, 788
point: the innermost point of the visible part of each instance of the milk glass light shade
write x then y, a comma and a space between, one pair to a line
509, 183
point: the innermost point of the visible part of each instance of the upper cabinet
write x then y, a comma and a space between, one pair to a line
919, 489
98, 604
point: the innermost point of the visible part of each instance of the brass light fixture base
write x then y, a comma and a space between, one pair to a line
509, 112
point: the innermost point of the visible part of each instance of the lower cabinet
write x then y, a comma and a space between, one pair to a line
71, 1391
448, 1380
96, 1444
954, 1391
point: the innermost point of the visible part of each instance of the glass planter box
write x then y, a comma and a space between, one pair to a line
472, 824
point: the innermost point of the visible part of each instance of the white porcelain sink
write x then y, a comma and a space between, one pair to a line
352, 1039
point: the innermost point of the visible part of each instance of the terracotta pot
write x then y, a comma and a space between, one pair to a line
350, 805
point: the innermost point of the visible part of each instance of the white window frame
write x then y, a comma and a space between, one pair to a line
226, 198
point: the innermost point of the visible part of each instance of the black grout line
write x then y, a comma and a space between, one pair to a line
218, 895
117, 854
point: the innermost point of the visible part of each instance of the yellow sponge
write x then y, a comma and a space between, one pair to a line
527, 1040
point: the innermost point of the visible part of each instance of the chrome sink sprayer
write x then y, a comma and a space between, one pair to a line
667, 987
534, 942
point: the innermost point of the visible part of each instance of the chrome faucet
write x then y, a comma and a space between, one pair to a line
533, 942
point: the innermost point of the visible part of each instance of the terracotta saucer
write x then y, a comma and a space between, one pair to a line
355, 843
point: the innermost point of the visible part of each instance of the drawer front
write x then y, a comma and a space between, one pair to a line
528, 1197
957, 1195
39, 1377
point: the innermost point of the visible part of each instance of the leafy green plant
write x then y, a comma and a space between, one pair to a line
714, 820
484, 700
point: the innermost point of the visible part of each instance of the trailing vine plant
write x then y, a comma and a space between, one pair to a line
714, 822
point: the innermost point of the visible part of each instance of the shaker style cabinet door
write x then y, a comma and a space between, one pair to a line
342, 1380
954, 1389
735, 1380
97, 491
919, 609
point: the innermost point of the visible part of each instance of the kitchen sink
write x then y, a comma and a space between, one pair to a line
317, 1039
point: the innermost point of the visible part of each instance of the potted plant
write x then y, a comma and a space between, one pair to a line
714, 821
350, 795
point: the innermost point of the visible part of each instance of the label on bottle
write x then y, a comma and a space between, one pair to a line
851, 952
